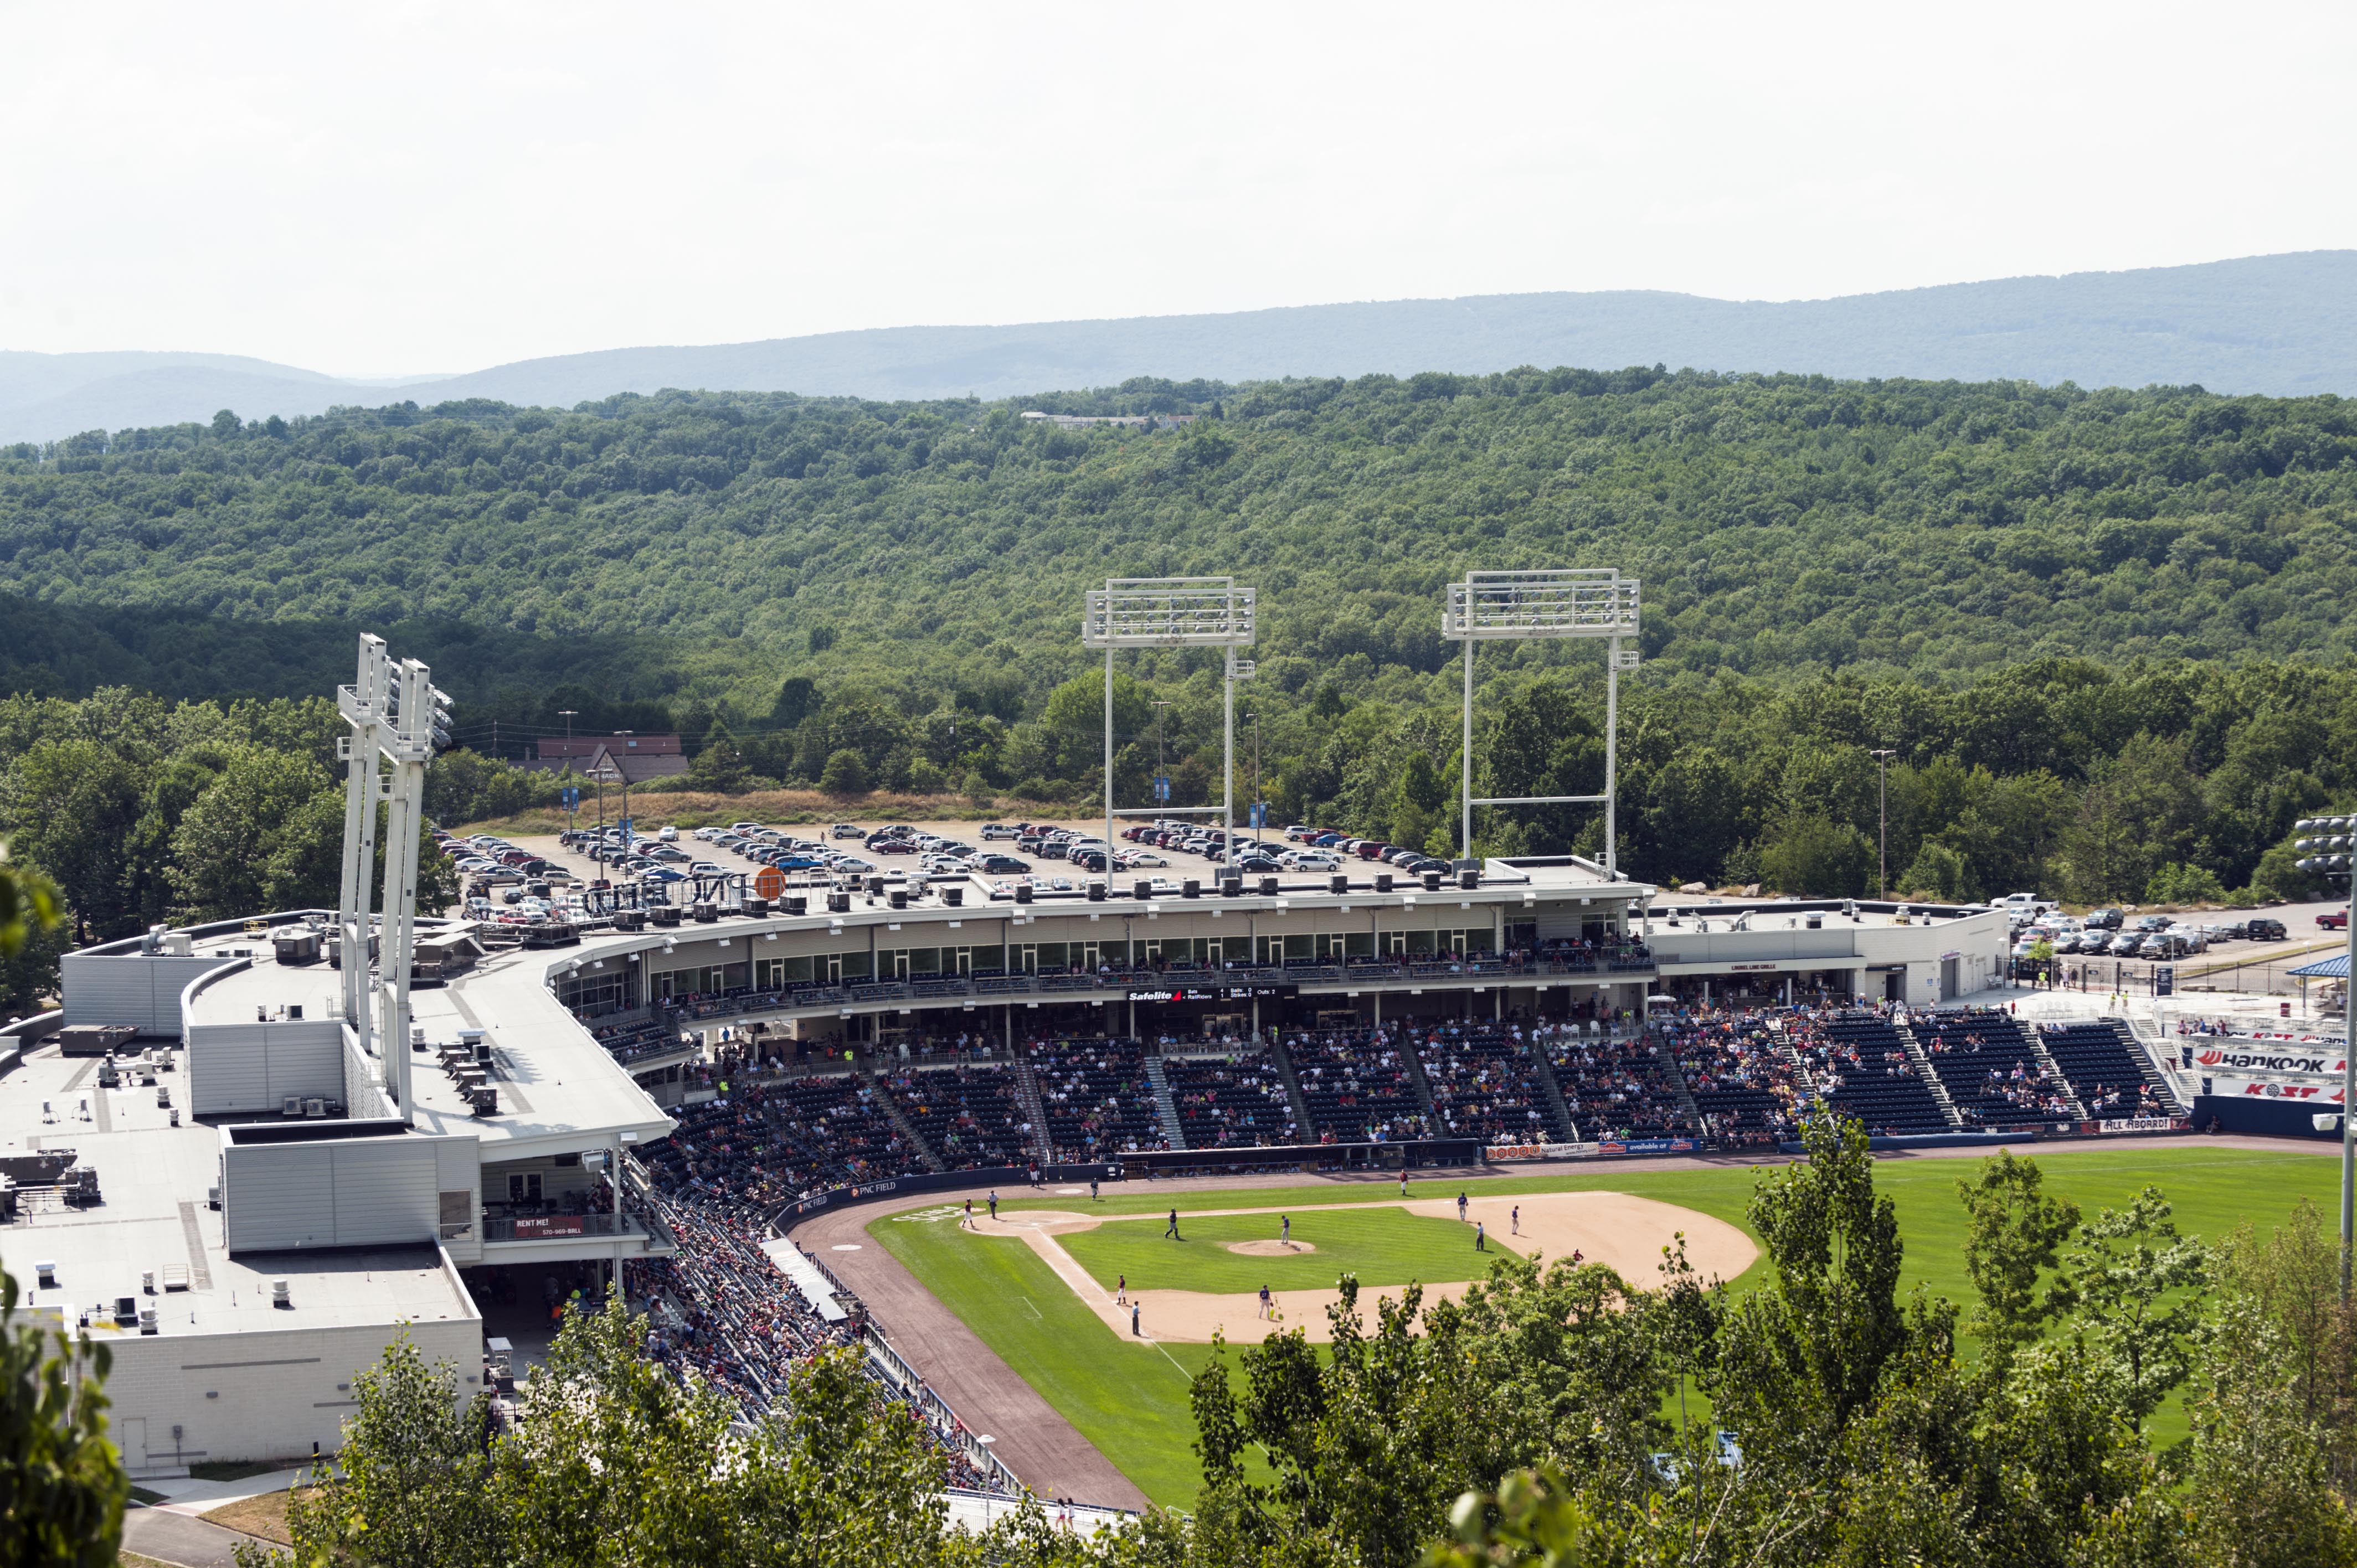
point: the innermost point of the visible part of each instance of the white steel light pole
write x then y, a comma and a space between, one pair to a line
1501, 606
1173, 612
397, 714
2338, 865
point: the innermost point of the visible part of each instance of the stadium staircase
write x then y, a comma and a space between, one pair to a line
2163, 1089
1676, 1079
1035, 1110
1166, 1105
900, 1124
1414, 1064
1923, 1060
2053, 1070
1555, 1101
1284, 1060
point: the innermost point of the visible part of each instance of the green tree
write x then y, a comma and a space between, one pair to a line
70, 807
845, 773
2134, 1276
1813, 855
1937, 872
719, 764
62, 1485
223, 848
2176, 883
2015, 1232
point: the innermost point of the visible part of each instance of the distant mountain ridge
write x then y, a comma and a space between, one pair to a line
2284, 325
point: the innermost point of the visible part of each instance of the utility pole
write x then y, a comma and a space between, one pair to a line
1259, 816
2332, 867
1882, 810
568, 714
1161, 796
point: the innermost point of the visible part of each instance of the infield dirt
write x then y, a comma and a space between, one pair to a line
1631, 1234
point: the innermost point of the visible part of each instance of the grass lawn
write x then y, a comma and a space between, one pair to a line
1381, 1246
1130, 1400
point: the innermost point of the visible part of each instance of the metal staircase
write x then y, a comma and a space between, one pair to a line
1921, 1060
877, 1073
1166, 1105
1555, 1101
1035, 1110
1292, 1080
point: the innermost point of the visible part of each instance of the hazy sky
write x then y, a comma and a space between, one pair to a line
436, 188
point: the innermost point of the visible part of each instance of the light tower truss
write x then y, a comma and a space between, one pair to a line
398, 719
1173, 612
1513, 606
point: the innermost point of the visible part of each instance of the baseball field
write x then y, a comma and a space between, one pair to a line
1050, 1284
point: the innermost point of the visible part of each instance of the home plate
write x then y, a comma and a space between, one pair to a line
1069, 1191
846, 1247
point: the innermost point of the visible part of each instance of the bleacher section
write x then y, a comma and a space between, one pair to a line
2111, 1074
1862, 1067
1615, 1088
1096, 1096
1484, 1086
628, 1043
1993, 1074
969, 1116
1356, 1086
774, 1142
1743, 1085
1230, 1102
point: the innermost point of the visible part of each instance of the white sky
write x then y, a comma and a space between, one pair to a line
410, 187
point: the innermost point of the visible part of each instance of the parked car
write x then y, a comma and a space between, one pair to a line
2334, 919
1004, 865
2265, 928
997, 831
2125, 944
845, 831
668, 833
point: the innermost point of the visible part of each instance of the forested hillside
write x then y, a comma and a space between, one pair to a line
2106, 633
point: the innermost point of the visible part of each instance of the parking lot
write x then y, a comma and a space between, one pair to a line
2237, 966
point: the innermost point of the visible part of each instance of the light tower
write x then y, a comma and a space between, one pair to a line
1498, 606
398, 717
1173, 612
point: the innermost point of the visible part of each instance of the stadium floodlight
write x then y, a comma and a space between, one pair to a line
1595, 603
2333, 835
1173, 612
399, 719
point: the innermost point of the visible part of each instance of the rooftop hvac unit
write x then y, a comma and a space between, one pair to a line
282, 1294
875, 884
45, 1277
1231, 886
899, 899
704, 914
1383, 881
146, 1320
292, 1105
756, 908
146, 1281
1469, 880
665, 914
797, 903
1023, 892
126, 1311
1337, 883
1141, 889
1268, 887
1096, 892
1432, 882
1190, 888
314, 1108
838, 903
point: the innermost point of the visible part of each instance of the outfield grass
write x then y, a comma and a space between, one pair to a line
1381, 1246
1130, 1400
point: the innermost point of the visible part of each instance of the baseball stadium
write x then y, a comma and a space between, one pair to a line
1042, 1147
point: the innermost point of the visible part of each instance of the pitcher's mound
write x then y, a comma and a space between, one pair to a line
1266, 1249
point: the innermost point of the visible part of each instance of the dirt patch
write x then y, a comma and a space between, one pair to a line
1031, 1221
1264, 1248
264, 1516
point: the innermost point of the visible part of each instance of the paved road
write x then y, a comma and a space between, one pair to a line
177, 1538
1046, 1450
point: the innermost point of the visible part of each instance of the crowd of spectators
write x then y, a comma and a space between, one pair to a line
1485, 1085
1614, 1085
1746, 1082
771, 1142
1990, 1069
1096, 1098
1355, 1084
1231, 1101
969, 1116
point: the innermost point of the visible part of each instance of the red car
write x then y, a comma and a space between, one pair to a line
2334, 920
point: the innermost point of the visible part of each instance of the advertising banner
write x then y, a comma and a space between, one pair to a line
2269, 1057
2142, 1124
1540, 1151
1646, 1147
538, 1227
2325, 1092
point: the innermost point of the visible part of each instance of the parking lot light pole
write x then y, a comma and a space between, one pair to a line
2329, 865
1882, 812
